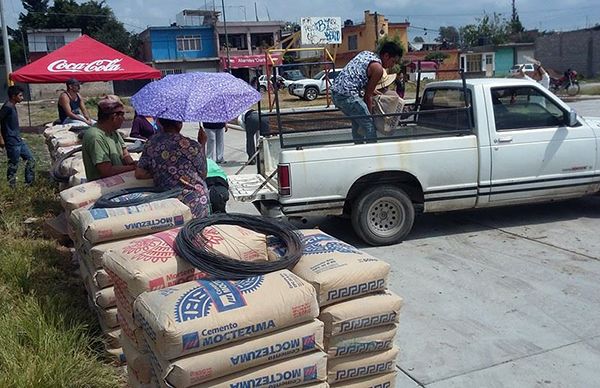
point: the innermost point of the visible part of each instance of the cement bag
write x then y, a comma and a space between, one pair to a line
360, 342
236, 242
306, 369
62, 151
116, 355
76, 180
387, 380
101, 297
111, 338
108, 317
199, 315
338, 270
93, 254
64, 139
387, 103
99, 276
200, 367
347, 368
361, 313
134, 333
88, 193
124, 304
54, 129
138, 361
100, 225
133, 382
149, 263
101, 279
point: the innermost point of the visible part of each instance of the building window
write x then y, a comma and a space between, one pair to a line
236, 41
189, 43
170, 71
473, 63
54, 42
489, 59
352, 42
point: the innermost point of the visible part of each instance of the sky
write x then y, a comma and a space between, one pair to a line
425, 17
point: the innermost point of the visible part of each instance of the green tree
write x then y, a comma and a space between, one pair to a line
94, 18
437, 56
491, 29
450, 33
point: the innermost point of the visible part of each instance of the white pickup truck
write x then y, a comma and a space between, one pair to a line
511, 142
310, 88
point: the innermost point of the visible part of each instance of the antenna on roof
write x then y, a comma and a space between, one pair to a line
268, 16
255, 11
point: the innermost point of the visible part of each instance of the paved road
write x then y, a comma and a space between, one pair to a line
506, 297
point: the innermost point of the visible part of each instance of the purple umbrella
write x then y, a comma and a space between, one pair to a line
208, 97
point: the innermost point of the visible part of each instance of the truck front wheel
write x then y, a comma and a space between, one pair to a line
311, 93
383, 215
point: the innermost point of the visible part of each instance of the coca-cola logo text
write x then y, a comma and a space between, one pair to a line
101, 65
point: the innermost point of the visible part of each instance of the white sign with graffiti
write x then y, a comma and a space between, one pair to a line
321, 30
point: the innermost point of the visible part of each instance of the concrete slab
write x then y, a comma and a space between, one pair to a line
481, 298
405, 381
572, 366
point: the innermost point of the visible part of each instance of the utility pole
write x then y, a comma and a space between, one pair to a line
7, 59
226, 37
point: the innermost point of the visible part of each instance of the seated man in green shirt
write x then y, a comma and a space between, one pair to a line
103, 149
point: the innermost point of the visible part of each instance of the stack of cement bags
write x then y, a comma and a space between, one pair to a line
234, 333
95, 230
61, 140
359, 313
150, 263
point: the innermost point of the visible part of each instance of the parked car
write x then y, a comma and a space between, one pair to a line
310, 88
293, 75
526, 67
262, 81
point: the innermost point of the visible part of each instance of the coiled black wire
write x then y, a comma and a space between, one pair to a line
191, 246
152, 194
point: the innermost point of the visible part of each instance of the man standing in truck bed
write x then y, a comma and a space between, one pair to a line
360, 76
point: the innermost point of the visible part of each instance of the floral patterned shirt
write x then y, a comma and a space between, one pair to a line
175, 160
353, 78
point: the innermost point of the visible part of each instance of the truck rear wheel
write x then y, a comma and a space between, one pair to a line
383, 215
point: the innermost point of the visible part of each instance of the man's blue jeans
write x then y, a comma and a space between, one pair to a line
14, 153
356, 106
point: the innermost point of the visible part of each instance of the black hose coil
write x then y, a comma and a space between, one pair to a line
191, 246
111, 200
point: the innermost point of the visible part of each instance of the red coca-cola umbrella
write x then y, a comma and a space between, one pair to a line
86, 60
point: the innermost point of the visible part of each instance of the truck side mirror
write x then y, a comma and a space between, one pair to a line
571, 118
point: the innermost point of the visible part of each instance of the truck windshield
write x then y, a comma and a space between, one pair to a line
319, 75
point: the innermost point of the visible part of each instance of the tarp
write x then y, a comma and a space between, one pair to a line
86, 60
241, 61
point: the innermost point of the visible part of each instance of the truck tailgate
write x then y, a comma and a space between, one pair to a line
251, 187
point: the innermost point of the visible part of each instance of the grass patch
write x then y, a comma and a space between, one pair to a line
48, 335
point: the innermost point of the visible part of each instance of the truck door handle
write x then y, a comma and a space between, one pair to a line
506, 139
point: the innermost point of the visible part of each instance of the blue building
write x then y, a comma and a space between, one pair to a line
188, 45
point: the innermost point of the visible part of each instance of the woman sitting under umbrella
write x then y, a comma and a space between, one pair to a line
174, 160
